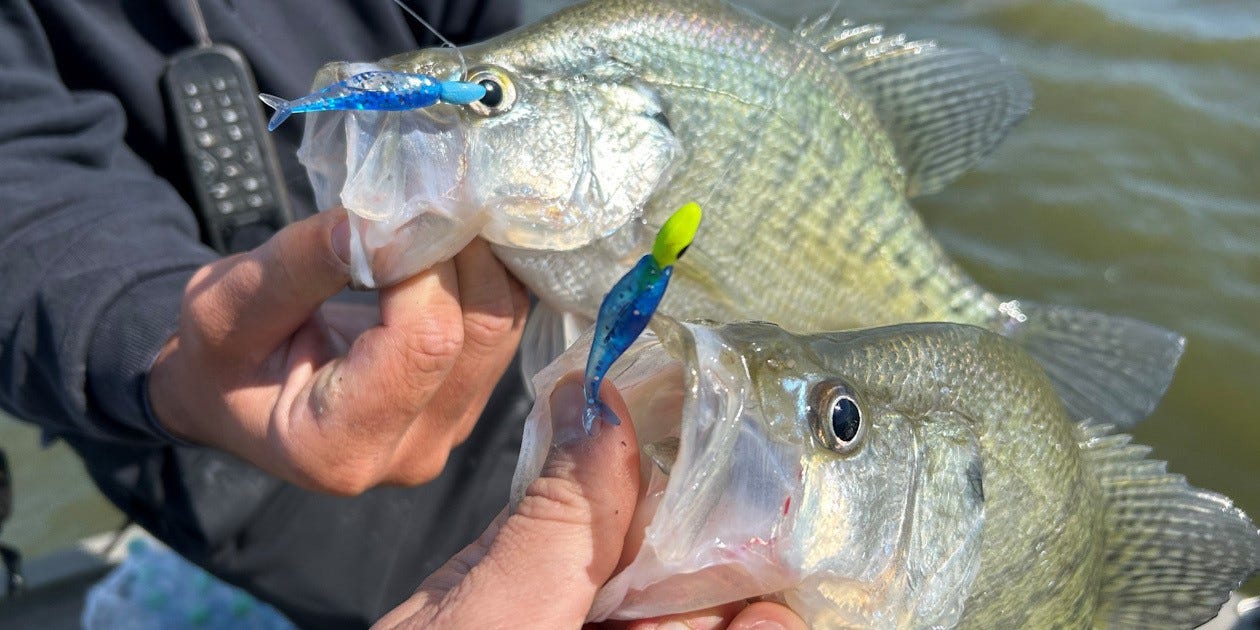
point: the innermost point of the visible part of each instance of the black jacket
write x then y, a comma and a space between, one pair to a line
97, 242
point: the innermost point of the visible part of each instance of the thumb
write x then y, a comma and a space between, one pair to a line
550, 557
264, 295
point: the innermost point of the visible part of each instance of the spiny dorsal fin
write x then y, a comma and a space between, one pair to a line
1174, 552
945, 109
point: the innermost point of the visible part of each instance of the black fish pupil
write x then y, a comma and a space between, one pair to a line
494, 93
845, 419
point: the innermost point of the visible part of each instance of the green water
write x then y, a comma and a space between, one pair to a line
1132, 188
54, 502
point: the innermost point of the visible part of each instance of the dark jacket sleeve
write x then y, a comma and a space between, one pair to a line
94, 250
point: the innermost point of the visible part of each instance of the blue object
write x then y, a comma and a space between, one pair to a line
377, 90
461, 92
156, 589
623, 315
629, 306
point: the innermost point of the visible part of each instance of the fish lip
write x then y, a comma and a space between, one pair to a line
709, 537
402, 219
716, 529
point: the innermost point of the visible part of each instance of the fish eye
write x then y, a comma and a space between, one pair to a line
836, 417
500, 91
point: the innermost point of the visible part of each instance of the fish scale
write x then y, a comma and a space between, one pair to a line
966, 498
804, 148
768, 173
1019, 585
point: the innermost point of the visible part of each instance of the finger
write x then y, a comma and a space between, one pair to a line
494, 307
767, 616
715, 618
566, 532
349, 419
248, 304
424, 601
393, 369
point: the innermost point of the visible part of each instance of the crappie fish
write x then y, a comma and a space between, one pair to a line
803, 147
912, 476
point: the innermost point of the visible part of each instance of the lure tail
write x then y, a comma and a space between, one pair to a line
596, 411
282, 110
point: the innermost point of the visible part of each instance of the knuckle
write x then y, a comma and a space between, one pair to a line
489, 328
433, 346
345, 486
425, 468
344, 480
331, 468
467, 423
556, 500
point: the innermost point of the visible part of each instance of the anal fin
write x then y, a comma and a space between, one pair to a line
1173, 551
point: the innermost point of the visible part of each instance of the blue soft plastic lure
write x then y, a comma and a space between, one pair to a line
629, 306
378, 90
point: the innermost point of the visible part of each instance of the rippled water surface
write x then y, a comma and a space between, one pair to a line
1132, 188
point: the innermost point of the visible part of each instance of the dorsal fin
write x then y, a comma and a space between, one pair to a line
945, 109
1174, 551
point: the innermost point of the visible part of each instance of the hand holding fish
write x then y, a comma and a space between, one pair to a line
541, 566
262, 368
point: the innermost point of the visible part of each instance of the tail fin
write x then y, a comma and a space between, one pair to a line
1105, 368
1174, 552
280, 105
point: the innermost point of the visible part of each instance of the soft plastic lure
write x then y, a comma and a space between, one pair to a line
629, 306
376, 90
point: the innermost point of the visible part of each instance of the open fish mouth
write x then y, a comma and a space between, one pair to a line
718, 494
402, 216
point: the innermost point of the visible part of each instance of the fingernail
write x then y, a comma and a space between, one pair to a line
341, 240
673, 625
568, 403
767, 624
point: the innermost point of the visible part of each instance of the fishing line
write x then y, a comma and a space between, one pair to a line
759, 123
463, 65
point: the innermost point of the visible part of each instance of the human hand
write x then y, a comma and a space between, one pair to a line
541, 566
323, 397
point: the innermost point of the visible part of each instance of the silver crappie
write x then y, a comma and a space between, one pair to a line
802, 147
913, 476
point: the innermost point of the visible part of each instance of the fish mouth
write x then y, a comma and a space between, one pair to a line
402, 217
717, 492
